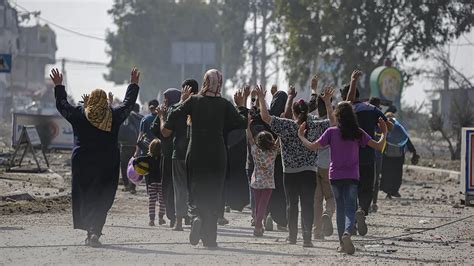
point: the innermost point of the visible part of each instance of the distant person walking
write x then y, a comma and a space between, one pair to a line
96, 155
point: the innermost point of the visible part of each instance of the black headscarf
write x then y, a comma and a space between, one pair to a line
277, 107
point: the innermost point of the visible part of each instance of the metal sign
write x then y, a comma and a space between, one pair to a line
467, 175
193, 53
29, 141
54, 131
5, 63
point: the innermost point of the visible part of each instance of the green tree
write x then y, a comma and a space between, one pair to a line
146, 30
362, 33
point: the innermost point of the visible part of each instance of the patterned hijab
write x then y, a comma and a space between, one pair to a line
98, 111
212, 83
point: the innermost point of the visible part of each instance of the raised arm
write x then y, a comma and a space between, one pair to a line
289, 103
237, 118
249, 132
327, 96
123, 110
379, 145
351, 95
313, 102
263, 105
68, 111
313, 146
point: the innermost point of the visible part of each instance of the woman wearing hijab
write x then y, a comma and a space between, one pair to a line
277, 204
95, 156
206, 158
171, 96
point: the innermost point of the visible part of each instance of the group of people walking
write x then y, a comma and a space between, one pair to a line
293, 157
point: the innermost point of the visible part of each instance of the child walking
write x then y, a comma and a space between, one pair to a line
264, 150
344, 141
153, 181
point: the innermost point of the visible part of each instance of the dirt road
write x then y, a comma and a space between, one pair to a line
402, 231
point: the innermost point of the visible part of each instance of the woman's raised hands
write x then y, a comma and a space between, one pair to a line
56, 77
134, 76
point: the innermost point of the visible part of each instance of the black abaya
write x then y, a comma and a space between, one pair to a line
95, 161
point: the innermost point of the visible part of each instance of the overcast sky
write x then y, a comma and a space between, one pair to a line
90, 17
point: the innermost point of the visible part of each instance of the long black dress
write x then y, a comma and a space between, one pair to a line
207, 156
95, 161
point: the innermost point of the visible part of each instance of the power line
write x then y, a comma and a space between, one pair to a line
64, 28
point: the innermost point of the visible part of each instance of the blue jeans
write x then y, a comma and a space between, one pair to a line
345, 194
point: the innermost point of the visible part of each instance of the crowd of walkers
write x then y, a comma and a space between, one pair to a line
203, 154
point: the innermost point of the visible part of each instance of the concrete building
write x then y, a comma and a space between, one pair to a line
32, 48
9, 44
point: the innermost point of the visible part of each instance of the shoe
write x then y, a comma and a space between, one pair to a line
222, 221
227, 209
291, 241
195, 234
374, 208
308, 244
258, 232
340, 249
327, 227
396, 195
94, 241
132, 190
161, 221
347, 244
360, 220
252, 222
151, 223
282, 228
388, 196
210, 246
269, 223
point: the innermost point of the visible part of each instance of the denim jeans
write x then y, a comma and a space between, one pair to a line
345, 194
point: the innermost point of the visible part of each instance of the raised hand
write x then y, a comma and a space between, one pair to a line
260, 91
111, 98
292, 92
314, 82
302, 130
383, 126
56, 77
327, 94
161, 110
239, 98
85, 99
246, 91
134, 76
186, 93
356, 74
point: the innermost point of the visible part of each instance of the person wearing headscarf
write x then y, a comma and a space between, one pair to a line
277, 204
398, 142
171, 96
95, 156
206, 158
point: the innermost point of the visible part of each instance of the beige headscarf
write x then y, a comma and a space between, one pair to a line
212, 83
98, 111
